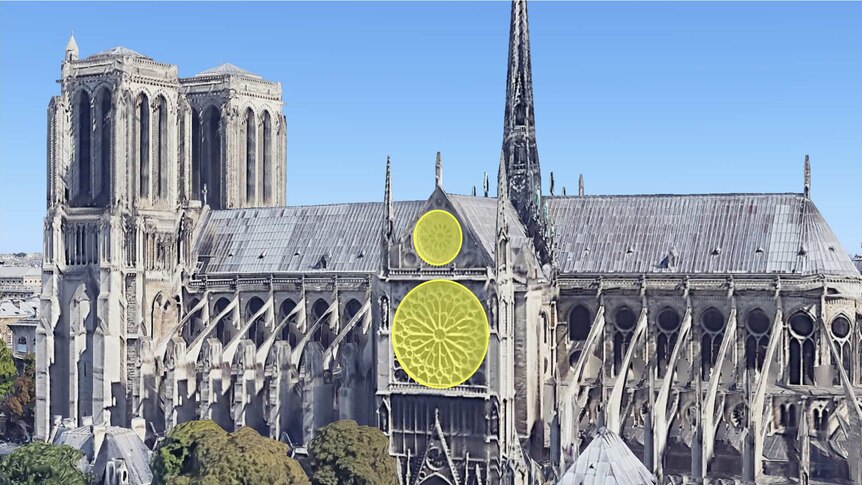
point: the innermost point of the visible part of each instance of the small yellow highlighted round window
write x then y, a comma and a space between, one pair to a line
440, 334
437, 237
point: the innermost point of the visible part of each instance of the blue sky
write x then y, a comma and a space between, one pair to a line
639, 97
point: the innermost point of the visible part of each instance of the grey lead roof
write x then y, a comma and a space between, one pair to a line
227, 70
118, 51
293, 239
712, 233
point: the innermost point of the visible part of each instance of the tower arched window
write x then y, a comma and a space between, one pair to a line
668, 333
84, 152
580, 321
624, 325
351, 310
211, 157
758, 327
266, 172
195, 325
801, 369
142, 138
250, 156
712, 333
160, 165
196, 156
103, 185
323, 334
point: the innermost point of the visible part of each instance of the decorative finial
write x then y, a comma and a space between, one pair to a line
485, 184
387, 199
72, 48
564, 190
581, 185
439, 171
204, 195
552, 184
474, 191
807, 187
502, 179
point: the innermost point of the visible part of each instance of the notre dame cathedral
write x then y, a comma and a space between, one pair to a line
719, 336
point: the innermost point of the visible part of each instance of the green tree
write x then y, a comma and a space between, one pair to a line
8, 372
200, 452
41, 463
18, 406
344, 453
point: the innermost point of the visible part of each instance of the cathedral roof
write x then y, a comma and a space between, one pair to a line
118, 51
294, 239
705, 234
712, 233
227, 70
607, 460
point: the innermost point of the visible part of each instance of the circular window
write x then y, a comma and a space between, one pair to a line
802, 325
668, 320
625, 319
713, 321
758, 322
840, 327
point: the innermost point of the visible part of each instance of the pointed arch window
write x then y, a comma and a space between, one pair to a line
712, 324
250, 156
840, 328
758, 327
323, 334
266, 169
668, 327
160, 165
580, 321
284, 310
257, 330
142, 138
103, 187
211, 157
196, 155
624, 325
802, 350
225, 326
84, 152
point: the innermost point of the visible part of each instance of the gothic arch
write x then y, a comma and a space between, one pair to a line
624, 323
104, 115
841, 330
580, 321
323, 334
160, 162
195, 325
250, 123
224, 327
668, 323
257, 330
142, 144
83, 151
802, 335
350, 310
758, 328
712, 323
211, 162
267, 165
284, 310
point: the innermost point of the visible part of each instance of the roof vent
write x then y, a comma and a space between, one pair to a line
832, 248
630, 250
716, 251
296, 254
323, 262
361, 253
261, 255
759, 250
802, 251
230, 254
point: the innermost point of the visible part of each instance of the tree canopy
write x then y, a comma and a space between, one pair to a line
41, 463
201, 452
19, 403
8, 372
344, 453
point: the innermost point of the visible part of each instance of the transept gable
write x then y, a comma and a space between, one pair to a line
471, 214
437, 465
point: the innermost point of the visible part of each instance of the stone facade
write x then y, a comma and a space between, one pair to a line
718, 336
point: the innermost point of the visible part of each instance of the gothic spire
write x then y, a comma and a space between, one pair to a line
71, 49
807, 182
519, 134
